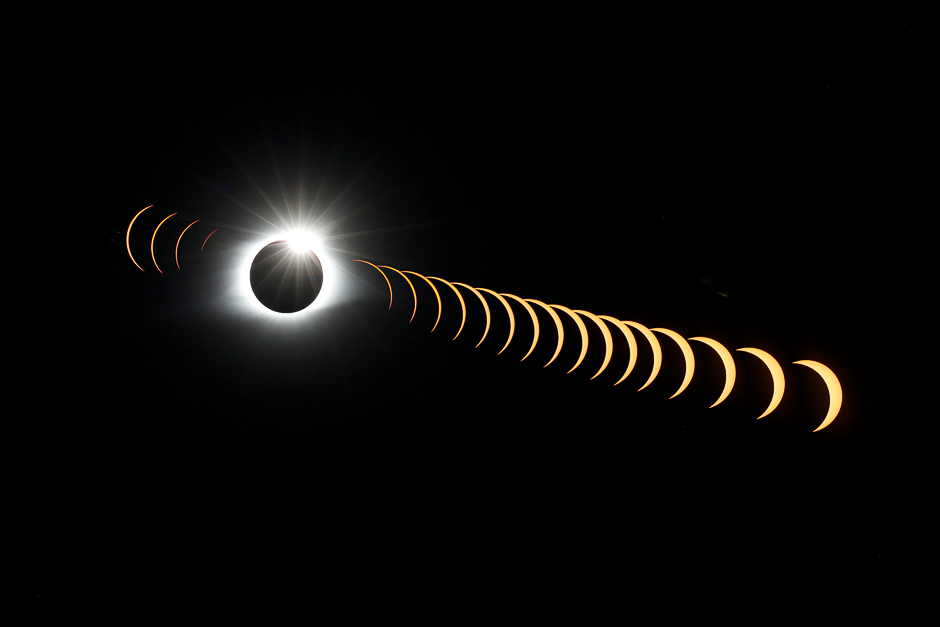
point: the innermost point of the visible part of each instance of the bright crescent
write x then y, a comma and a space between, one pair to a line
486, 308
775, 371
414, 293
686, 353
463, 305
654, 344
129, 236
561, 330
730, 372
383, 274
582, 329
207, 239
608, 341
835, 390
631, 341
177, 253
155, 237
436, 293
535, 322
512, 319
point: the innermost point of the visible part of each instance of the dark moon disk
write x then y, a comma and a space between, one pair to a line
284, 278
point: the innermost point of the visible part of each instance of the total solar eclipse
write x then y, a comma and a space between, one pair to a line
286, 276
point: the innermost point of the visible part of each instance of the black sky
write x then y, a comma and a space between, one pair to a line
756, 186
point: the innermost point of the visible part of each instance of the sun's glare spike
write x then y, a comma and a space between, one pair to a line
207, 239
177, 253
129, 236
155, 237
386, 280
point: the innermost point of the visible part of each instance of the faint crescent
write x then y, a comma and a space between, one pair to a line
581, 328
486, 308
535, 322
155, 237
686, 352
775, 371
631, 341
383, 274
835, 390
512, 319
730, 372
435, 293
608, 341
561, 330
207, 239
463, 305
654, 344
177, 253
415, 310
129, 236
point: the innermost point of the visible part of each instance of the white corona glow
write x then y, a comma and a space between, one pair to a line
300, 240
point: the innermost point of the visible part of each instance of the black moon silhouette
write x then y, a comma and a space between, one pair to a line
286, 277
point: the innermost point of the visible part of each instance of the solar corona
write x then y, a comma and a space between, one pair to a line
287, 273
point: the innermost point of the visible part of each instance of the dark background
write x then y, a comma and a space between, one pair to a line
762, 186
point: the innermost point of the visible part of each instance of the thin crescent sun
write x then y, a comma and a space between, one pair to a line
835, 390
413, 292
436, 294
377, 268
654, 344
535, 322
463, 305
608, 341
726, 359
631, 342
584, 336
486, 308
776, 372
686, 353
129, 236
207, 239
557, 320
512, 319
176, 253
155, 237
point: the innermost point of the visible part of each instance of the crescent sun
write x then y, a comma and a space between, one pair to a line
835, 390
686, 353
558, 327
654, 344
486, 309
730, 372
631, 342
463, 305
608, 341
535, 322
210, 235
512, 319
176, 254
129, 236
584, 336
155, 237
374, 266
414, 293
436, 294
776, 372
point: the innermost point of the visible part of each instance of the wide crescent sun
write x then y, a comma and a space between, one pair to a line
835, 390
